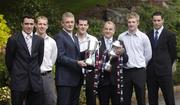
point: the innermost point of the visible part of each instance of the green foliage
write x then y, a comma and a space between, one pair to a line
30, 7
53, 9
95, 28
3, 71
4, 34
4, 31
177, 73
77, 6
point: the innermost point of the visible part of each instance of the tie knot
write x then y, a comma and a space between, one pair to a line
28, 37
156, 32
109, 41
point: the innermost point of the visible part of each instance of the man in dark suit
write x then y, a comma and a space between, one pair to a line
107, 39
159, 69
68, 65
107, 88
24, 55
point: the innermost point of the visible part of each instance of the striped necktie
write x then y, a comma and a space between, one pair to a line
29, 43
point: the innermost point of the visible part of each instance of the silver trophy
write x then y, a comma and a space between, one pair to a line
112, 53
93, 46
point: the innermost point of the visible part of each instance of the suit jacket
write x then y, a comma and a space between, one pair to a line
24, 68
163, 55
68, 72
109, 77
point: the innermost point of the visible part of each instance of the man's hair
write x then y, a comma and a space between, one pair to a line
67, 14
158, 13
81, 18
133, 15
27, 16
110, 22
41, 17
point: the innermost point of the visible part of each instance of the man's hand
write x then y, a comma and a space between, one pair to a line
82, 63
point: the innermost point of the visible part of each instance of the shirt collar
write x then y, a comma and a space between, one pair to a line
86, 35
159, 30
137, 33
69, 33
46, 36
110, 39
25, 34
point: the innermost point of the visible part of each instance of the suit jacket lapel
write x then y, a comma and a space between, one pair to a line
76, 43
103, 46
33, 44
161, 36
23, 42
151, 38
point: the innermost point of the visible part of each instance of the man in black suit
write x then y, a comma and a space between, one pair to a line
107, 88
24, 55
159, 70
68, 64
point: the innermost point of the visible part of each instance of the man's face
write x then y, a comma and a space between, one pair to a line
82, 26
68, 24
28, 25
108, 30
41, 26
157, 22
132, 24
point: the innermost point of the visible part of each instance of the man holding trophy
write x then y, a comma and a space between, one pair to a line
113, 57
88, 47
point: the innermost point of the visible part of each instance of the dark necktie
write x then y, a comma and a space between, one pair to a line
155, 38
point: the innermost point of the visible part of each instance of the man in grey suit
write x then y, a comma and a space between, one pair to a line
24, 55
159, 69
69, 75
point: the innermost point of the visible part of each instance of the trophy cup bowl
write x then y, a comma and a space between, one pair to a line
112, 53
93, 45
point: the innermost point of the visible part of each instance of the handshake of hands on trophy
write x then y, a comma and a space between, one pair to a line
116, 50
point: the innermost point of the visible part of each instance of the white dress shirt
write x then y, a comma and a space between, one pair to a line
50, 54
83, 43
138, 48
159, 31
108, 43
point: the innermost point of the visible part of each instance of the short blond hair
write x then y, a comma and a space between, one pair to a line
41, 17
133, 15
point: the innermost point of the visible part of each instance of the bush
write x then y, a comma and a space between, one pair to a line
4, 31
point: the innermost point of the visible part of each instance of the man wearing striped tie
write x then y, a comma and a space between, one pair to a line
24, 55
